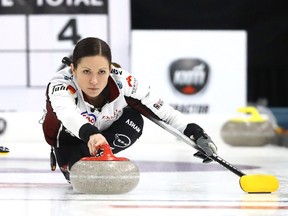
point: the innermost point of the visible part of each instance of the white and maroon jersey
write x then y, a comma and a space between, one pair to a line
65, 99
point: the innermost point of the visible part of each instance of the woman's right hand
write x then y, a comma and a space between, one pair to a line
94, 142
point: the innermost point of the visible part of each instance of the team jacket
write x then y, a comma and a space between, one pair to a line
67, 109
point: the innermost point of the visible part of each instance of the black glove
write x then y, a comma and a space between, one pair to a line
203, 156
196, 133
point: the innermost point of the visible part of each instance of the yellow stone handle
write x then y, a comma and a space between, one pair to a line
254, 115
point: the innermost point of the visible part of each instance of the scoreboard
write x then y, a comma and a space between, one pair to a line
36, 34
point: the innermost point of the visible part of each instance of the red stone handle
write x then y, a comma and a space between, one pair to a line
107, 155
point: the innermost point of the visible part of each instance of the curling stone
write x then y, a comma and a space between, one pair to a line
3, 125
105, 174
252, 131
4, 150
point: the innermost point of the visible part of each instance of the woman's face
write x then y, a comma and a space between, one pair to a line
92, 74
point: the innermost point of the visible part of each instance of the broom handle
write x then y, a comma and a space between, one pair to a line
184, 138
227, 165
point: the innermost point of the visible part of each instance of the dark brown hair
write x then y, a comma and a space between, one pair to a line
91, 46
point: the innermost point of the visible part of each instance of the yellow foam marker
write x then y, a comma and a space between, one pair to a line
259, 183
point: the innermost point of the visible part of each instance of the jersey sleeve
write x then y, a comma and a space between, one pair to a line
148, 101
62, 96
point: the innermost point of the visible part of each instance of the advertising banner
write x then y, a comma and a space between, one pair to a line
197, 72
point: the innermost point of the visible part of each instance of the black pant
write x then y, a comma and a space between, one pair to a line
120, 135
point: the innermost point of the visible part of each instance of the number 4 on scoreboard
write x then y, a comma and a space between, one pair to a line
71, 35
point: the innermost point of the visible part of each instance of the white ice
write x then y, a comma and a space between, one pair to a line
28, 187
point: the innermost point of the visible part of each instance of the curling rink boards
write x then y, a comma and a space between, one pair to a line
172, 181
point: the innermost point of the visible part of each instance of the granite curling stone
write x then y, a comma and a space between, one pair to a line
106, 174
252, 131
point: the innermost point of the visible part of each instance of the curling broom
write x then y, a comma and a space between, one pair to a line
256, 183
